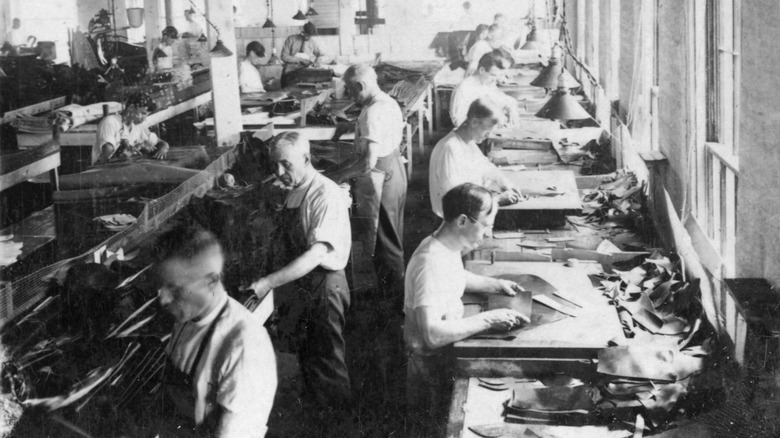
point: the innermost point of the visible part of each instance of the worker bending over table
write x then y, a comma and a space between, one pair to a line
435, 283
379, 188
318, 241
483, 84
457, 159
300, 51
249, 79
221, 368
120, 135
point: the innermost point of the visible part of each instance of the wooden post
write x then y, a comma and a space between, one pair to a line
153, 28
224, 75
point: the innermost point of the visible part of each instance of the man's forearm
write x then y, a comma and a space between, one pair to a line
299, 267
446, 332
480, 283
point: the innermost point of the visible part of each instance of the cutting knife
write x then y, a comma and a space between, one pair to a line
549, 302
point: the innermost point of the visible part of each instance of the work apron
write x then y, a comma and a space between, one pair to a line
180, 386
320, 299
378, 215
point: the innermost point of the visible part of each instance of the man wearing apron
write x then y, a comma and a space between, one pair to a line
318, 240
379, 188
221, 369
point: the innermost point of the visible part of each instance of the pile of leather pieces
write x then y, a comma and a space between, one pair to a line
639, 389
616, 203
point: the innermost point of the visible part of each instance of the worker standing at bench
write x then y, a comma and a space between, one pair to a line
380, 178
318, 241
120, 135
221, 368
435, 283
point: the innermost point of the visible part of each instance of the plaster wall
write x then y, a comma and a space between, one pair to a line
674, 117
758, 192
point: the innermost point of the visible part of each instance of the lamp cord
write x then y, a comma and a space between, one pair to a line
206, 18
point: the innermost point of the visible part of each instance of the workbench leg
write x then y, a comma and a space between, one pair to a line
436, 109
421, 133
408, 127
429, 111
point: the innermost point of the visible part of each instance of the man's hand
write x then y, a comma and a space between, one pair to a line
306, 62
341, 129
507, 287
504, 319
508, 197
161, 152
260, 287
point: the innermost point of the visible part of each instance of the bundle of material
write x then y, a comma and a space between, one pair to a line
407, 93
390, 74
616, 203
65, 118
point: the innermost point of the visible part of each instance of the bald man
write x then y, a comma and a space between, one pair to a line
318, 244
380, 178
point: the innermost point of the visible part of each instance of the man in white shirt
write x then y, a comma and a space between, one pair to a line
192, 29
249, 79
456, 159
221, 372
318, 245
379, 188
483, 84
120, 135
435, 283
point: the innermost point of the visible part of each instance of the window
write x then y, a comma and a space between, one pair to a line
717, 164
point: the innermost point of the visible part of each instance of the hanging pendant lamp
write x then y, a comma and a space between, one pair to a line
532, 41
220, 51
299, 16
549, 77
268, 24
562, 105
311, 12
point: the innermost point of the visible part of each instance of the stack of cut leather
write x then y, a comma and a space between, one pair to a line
563, 405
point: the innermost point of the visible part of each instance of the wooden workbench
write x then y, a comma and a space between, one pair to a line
569, 338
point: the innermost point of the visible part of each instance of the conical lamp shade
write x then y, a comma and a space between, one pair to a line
268, 24
532, 41
299, 16
202, 38
274, 60
220, 51
549, 76
311, 12
562, 106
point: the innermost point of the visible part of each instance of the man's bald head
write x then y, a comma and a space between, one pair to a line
360, 81
360, 73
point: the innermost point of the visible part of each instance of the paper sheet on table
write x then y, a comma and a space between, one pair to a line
260, 118
303, 55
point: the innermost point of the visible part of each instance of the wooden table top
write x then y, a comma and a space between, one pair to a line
570, 337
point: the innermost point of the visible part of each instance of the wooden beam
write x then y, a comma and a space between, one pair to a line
37, 108
153, 28
224, 76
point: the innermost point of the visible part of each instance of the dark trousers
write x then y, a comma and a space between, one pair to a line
322, 350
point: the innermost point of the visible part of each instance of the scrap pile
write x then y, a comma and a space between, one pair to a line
616, 203
390, 74
95, 341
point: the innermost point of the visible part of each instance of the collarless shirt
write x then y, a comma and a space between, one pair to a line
470, 90
435, 277
454, 162
381, 122
249, 78
112, 130
324, 211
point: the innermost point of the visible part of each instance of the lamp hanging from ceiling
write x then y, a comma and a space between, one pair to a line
549, 77
135, 13
219, 50
562, 105
299, 15
532, 41
311, 10
269, 24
